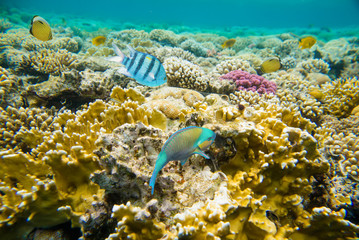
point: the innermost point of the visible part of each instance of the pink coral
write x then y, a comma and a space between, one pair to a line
250, 82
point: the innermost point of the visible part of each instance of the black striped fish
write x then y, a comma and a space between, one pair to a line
145, 68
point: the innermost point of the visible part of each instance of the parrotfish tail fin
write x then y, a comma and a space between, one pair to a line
132, 51
153, 180
200, 152
160, 163
183, 161
120, 56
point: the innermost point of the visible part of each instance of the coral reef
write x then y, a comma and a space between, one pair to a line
250, 82
234, 64
182, 73
47, 62
314, 66
79, 140
341, 96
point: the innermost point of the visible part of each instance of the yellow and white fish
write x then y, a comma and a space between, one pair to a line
40, 28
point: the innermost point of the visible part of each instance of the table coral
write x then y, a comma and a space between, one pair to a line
250, 82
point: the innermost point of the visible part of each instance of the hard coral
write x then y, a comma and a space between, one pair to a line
182, 73
47, 62
250, 82
341, 96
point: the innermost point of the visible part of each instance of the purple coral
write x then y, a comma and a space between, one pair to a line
250, 82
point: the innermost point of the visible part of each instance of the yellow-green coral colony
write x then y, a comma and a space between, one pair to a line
92, 144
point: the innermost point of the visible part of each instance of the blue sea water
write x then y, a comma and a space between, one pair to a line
205, 13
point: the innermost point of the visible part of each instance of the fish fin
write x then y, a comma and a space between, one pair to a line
118, 52
160, 163
124, 72
132, 51
151, 75
200, 152
115, 59
183, 161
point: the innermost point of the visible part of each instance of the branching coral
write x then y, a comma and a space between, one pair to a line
47, 62
250, 82
135, 223
4, 24
234, 64
66, 43
341, 96
314, 65
165, 37
165, 52
181, 73
60, 160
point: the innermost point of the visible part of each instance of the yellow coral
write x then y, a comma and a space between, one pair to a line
341, 96
135, 223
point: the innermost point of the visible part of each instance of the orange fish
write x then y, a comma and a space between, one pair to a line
307, 42
98, 40
229, 43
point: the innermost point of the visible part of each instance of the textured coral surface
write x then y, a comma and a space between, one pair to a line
79, 140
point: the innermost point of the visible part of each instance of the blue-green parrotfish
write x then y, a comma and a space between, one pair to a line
181, 145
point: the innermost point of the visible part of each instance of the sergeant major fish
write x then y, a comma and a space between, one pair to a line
181, 145
144, 68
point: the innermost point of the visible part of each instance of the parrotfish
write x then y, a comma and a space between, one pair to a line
144, 68
181, 145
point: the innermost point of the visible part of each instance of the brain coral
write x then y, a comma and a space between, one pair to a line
250, 82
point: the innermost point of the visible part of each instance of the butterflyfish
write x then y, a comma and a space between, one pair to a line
144, 68
181, 145
271, 64
307, 42
40, 28
98, 40
229, 43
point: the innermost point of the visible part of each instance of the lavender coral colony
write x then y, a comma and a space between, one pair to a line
264, 130
250, 82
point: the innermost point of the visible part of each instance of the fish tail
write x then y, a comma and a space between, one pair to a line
160, 163
153, 181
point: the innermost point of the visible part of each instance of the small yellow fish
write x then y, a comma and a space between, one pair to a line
229, 43
98, 40
307, 42
40, 28
317, 94
271, 65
